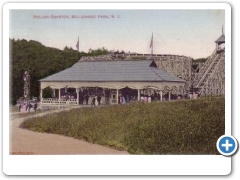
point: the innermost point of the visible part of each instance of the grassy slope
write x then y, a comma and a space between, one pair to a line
180, 127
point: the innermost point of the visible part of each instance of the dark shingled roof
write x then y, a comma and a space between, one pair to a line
221, 39
98, 71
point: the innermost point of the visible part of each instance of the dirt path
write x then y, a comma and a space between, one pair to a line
27, 142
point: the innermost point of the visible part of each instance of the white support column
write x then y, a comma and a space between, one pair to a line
138, 94
169, 96
59, 96
41, 93
160, 95
54, 93
77, 91
65, 89
117, 96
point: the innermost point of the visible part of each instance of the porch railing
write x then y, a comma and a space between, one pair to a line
55, 101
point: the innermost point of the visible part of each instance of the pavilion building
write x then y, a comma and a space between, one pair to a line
110, 79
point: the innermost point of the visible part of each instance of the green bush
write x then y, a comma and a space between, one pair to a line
177, 127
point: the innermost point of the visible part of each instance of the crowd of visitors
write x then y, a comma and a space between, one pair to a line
27, 107
98, 96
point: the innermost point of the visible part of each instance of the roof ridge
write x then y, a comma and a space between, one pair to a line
156, 73
116, 71
116, 60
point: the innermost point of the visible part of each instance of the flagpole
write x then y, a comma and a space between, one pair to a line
152, 43
78, 47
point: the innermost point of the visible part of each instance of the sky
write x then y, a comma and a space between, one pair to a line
179, 32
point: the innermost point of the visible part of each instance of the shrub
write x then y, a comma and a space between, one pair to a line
179, 127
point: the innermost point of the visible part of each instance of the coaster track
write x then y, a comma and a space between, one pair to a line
208, 79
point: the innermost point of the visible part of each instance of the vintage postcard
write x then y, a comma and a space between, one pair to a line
144, 84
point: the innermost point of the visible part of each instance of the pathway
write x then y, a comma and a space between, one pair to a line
23, 141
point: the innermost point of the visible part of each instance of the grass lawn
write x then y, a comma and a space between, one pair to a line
177, 127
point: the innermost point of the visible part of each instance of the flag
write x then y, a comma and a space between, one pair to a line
151, 44
77, 45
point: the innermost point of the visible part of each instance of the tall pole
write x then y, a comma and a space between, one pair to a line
77, 45
152, 44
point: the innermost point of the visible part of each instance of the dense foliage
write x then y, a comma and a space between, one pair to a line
196, 61
179, 127
200, 60
41, 62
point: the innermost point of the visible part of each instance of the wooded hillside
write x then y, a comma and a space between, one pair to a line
41, 62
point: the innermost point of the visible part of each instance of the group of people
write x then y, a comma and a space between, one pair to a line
69, 96
124, 98
146, 98
26, 107
96, 101
156, 97
193, 95
83, 98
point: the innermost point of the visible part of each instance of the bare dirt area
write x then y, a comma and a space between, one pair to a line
25, 142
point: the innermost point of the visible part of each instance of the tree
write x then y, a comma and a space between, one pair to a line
40, 61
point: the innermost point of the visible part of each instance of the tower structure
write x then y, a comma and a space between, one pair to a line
26, 86
210, 80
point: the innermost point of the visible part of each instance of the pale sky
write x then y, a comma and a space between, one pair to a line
180, 32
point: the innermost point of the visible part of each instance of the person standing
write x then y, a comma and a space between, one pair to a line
190, 96
24, 107
35, 107
93, 102
29, 106
87, 98
145, 98
121, 99
19, 108
99, 99
149, 99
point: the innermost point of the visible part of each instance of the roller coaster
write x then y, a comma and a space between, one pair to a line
206, 79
